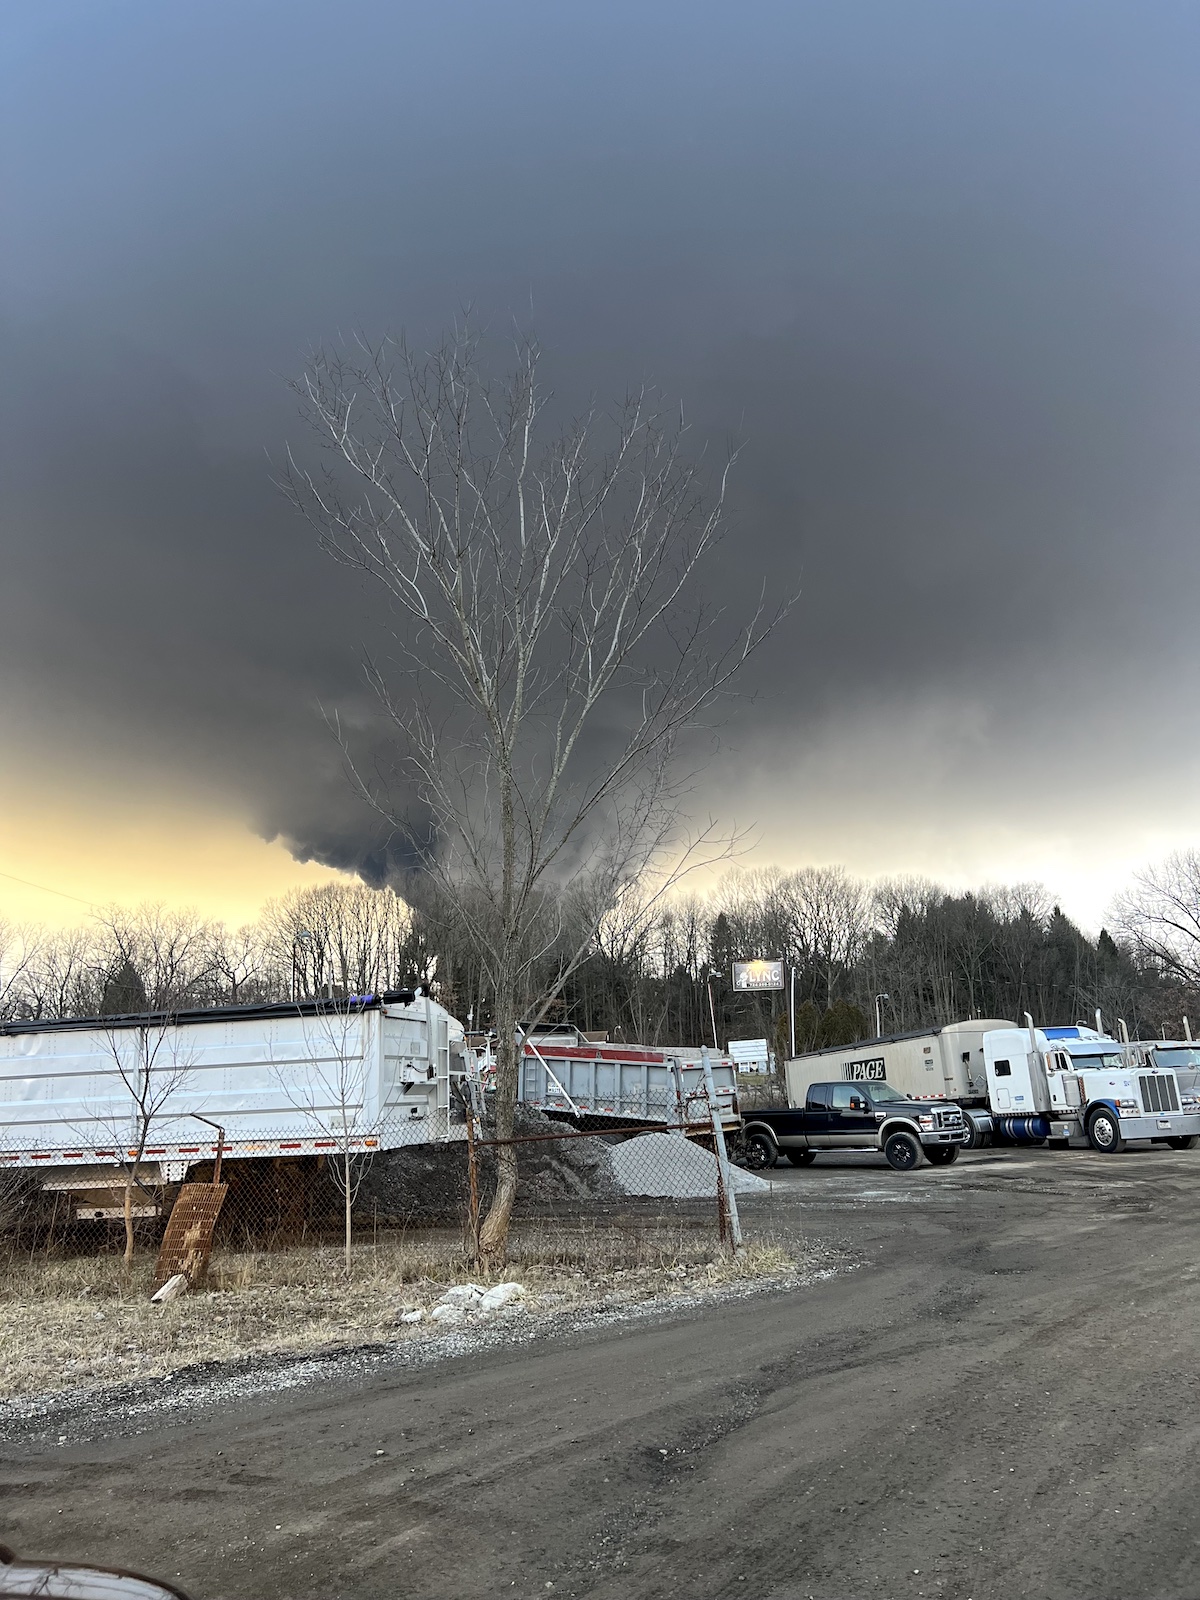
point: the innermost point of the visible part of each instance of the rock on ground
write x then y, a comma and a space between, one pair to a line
666, 1166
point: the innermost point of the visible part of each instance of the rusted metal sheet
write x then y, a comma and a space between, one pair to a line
187, 1243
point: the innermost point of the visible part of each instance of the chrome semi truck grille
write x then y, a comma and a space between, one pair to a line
1158, 1093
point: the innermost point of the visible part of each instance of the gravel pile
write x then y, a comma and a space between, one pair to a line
664, 1166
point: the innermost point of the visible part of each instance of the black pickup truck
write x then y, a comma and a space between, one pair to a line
856, 1116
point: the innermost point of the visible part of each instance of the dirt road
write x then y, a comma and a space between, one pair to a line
1003, 1400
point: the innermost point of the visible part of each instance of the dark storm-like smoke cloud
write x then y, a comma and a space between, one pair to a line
931, 265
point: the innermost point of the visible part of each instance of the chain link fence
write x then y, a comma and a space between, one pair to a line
626, 1178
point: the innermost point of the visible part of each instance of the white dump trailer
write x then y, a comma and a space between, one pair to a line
371, 1073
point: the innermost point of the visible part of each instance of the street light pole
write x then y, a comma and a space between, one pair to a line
879, 1003
712, 1012
792, 1007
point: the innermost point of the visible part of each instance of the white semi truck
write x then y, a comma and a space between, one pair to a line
1021, 1084
82, 1100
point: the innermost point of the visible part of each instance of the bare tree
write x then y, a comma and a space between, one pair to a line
555, 656
242, 966
329, 1087
345, 935
154, 1066
171, 951
1160, 916
19, 948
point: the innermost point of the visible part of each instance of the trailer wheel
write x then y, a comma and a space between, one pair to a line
1183, 1141
1104, 1133
903, 1151
759, 1152
942, 1155
801, 1158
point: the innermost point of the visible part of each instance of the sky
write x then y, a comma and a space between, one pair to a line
931, 266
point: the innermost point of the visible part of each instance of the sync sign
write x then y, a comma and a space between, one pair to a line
873, 1067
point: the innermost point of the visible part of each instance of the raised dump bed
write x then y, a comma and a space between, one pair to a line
619, 1084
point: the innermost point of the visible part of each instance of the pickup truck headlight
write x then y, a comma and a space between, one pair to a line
926, 1122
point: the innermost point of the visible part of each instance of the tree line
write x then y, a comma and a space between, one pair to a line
659, 972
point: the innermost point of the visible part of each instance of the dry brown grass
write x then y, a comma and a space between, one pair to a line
82, 1322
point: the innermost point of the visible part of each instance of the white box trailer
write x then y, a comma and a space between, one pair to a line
371, 1073
944, 1063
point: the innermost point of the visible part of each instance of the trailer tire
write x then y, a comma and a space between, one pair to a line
902, 1151
1104, 1132
1183, 1141
942, 1155
801, 1158
760, 1151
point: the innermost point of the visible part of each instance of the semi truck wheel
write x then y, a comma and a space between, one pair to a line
1183, 1141
760, 1151
976, 1139
942, 1155
903, 1151
1104, 1133
801, 1158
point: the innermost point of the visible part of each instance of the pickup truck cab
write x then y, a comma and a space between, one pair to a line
856, 1116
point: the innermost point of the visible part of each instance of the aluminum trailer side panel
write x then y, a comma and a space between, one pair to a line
631, 1084
277, 1084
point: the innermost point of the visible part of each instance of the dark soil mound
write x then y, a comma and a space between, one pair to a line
429, 1182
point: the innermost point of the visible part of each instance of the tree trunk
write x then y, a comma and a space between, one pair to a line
346, 1182
128, 1219
493, 1236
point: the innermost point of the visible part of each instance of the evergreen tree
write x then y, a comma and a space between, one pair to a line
124, 993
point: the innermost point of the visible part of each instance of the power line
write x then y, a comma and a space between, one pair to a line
46, 889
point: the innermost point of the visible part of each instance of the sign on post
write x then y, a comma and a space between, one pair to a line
758, 975
750, 1055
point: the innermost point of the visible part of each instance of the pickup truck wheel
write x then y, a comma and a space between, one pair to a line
801, 1158
942, 1154
760, 1152
903, 1151
1183, 1141
1104, 1133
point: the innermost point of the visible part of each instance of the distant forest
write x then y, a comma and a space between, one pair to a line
661, 974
